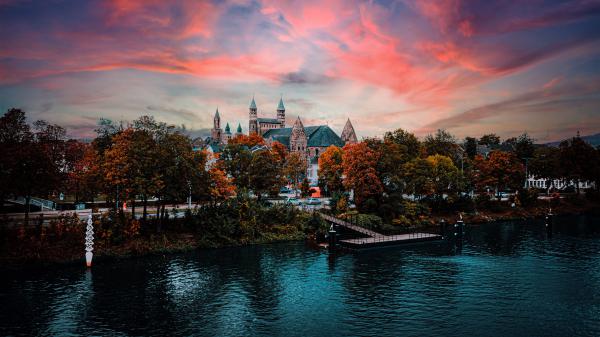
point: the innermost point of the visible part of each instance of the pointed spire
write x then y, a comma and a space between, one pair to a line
298, 123
280, 106
253, 103
348, 134
227, 129
217, 113
239, 128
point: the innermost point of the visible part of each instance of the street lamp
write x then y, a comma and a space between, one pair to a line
526, 171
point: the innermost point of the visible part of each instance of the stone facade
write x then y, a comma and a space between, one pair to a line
312, 141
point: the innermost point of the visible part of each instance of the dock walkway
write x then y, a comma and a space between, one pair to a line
375, 239
350, 226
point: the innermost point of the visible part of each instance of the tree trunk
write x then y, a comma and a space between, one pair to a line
133, 208
27, 202
145, 201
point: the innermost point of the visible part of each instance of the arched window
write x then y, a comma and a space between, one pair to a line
316, 152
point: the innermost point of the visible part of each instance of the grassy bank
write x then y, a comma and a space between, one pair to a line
237, 222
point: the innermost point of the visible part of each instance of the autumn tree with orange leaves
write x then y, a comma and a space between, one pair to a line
359, 164
331, 169
248, 140
500, 171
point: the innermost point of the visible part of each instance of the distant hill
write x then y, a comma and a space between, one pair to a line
593, 140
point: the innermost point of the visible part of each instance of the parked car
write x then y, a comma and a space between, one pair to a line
293, 201
313, 201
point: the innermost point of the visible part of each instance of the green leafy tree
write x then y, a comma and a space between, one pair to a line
235, 160
491, 140
575, 163
470, 145
264, 174
442, 143
418, 175
406, 139
444, 175
546, 164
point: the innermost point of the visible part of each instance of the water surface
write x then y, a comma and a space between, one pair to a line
510, 279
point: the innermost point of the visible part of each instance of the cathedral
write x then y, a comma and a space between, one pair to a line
310, 140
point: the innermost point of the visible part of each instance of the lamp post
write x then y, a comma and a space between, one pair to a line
526, 172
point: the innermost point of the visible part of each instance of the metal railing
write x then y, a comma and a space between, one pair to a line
41, 203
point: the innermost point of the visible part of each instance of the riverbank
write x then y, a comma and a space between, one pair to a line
66, 252
65, 246
538, 211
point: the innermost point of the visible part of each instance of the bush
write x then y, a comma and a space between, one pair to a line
526, 197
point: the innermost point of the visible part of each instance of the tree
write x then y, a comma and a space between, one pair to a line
470, 145
235, 159
522, 146
117, 167
331, 169
15, 134
501, 170
73, 166
418, 173
280, 151
88, 174
491, 140
264, 174
575, 163
546, 164
406, 139
221, 187
359, 164
295, 168
392, 157
444, 175
442, 143
305, 189
249, 140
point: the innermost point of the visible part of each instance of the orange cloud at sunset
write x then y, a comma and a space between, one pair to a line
419, 65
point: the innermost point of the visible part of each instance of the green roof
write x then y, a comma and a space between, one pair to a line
318, 136
252, 104
280, 106
268, 120
239, 129
227, 129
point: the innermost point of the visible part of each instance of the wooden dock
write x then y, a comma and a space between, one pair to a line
375, 239
389, 240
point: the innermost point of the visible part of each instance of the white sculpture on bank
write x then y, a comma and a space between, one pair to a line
89, 241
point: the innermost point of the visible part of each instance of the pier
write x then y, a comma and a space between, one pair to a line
375, 239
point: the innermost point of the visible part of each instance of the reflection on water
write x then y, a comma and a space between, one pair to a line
510, 279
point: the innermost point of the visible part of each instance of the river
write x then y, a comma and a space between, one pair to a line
510, 279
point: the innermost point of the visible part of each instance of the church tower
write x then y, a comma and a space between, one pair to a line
348, 134
239, 132
281, 113
298, 137
216, 132
227, 135
253, 123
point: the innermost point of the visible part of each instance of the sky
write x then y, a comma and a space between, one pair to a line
470, 67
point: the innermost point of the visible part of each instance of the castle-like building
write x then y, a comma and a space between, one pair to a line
310, 140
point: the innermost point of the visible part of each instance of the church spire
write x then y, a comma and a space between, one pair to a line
348, 134
281, 113
298, 139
